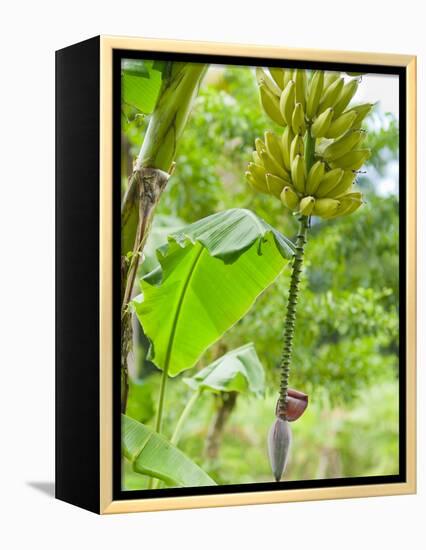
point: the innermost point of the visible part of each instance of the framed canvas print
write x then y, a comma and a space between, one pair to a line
235, 290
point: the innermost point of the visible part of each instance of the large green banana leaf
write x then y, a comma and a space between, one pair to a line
151, 454
210, 274
238, 370
141, 84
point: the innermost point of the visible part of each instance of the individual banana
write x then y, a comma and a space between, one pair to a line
286, 141
258, 172
264, 78
273, 147
344, 184
352, 160
256, 158
343, 145
329, 182
361, 111
306, 206
322, 123
347, 93
260, 146
330, 77
278, 75
298, 173
256, 184
330, 95
315, 175
275, 184
296, 148
287, 102
355, 196
316, 86
340, 125
300, 86
298, 119
271, 105
290, 198
271, 166
325, 207
347, 206
288, 75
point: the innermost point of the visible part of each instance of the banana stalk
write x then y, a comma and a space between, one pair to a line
290, 317
148, 181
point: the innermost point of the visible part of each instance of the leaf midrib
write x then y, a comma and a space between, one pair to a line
178, 309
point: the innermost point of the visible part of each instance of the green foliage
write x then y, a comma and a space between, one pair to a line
183, 309
141, 84
239, 370
346, 350
151, 454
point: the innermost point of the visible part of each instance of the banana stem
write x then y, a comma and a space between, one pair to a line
153, 483
290, 318
148, 181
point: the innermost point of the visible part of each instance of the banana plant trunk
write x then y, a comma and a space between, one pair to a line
147, 183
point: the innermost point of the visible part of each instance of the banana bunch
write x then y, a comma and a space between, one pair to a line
312, 166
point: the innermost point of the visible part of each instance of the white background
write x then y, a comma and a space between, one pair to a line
29, 34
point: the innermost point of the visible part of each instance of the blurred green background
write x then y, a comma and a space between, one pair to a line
346, 344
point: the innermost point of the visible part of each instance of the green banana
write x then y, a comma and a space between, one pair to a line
297, 148
307, 205
264, 78
260, 146
271, 166
276, 184
278, 75
330, 95
287, 101
325, 207
346, 207
322, 123
348, 92
341, 125
344, 184
316, 173
288, 75
310, 176
255, 183
256, 158
361, 110
352, 160
290, 198
271, 105
315, 92
329, 182
298, 119
343, 145
273, 146
286, 141
258, 172
301, 85
355, 196
298, 173
330, 77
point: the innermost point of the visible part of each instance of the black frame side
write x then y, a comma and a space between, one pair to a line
77, 274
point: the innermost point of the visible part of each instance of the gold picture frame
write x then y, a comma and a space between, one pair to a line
107, 46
